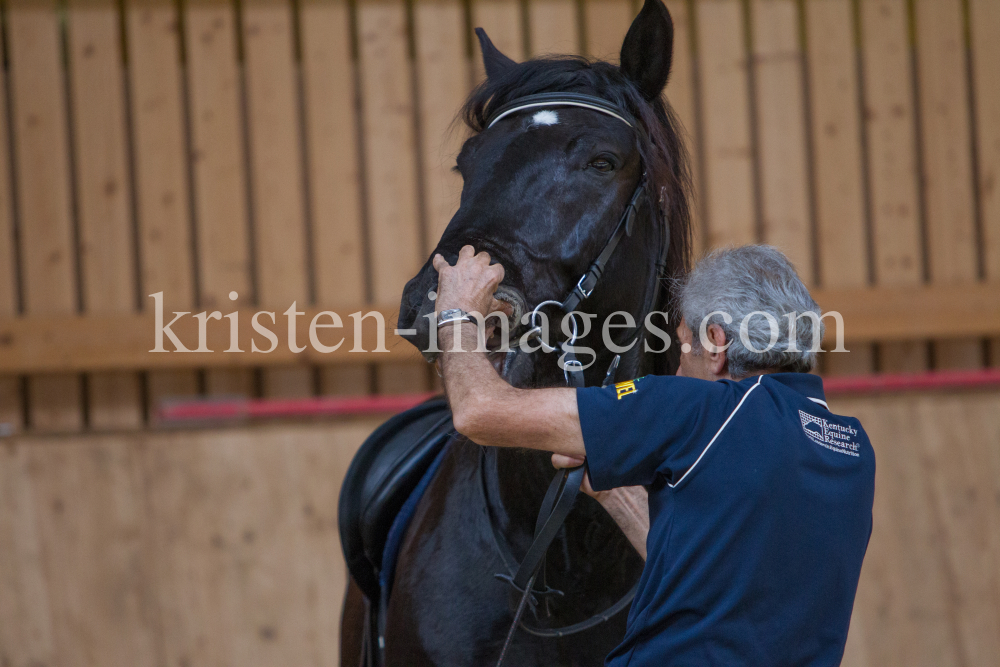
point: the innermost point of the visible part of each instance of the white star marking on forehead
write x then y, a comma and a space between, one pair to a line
545, 117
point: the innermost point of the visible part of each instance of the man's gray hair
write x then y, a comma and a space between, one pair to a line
755, 287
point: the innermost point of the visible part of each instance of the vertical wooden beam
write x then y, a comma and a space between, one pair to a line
26, 623
276, 173
91, 515
160, 161
905, 580
442, 77
11, 401
947, 160
605, 24
959, 445
784, 164
219, 164
728, 189
104, 198
332, 147
838, 174
503, 21
390, 155
681, 93
984, 20
41, 145
552, 27
892, 161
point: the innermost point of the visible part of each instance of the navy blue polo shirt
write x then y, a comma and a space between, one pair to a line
760, 510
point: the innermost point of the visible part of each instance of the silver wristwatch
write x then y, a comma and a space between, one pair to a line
452, 315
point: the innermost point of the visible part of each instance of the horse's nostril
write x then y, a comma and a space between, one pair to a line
513, 298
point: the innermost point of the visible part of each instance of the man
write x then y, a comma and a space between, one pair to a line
759, 498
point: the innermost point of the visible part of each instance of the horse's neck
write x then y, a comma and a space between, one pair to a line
516, 483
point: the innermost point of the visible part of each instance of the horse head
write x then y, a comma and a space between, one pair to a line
545, 187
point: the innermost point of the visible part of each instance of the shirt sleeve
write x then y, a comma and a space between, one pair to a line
658, 425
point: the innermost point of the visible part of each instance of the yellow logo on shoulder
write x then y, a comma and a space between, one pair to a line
625, 388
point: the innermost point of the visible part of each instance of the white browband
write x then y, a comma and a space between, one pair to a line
558, 103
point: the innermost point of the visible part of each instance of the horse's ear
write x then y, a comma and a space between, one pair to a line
648, 49
495, 62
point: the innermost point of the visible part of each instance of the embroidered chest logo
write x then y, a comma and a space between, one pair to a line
825, 433
625, 388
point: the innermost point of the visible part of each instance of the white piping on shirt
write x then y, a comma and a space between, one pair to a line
821, 402
715, 437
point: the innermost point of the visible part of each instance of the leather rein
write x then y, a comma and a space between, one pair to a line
565, 486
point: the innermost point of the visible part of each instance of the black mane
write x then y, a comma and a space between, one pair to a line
660, 143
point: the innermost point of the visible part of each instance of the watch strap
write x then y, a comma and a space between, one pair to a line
452, 315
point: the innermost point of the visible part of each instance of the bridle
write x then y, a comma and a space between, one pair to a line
562, 492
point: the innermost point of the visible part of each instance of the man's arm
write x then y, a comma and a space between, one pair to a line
491, 412
627, 505
485, 408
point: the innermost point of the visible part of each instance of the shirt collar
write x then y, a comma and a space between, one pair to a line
811, 386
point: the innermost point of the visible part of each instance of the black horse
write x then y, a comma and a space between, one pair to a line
543, 192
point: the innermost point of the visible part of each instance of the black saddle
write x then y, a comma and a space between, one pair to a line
382, 476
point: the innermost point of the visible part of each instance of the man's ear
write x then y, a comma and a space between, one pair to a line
648, 49
717, 353
495, 62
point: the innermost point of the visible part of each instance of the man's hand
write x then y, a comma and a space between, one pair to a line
562, 461
470, 284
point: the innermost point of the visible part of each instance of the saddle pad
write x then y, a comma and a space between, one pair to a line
383, 474
394, 540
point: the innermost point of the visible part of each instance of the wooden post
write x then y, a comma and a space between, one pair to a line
27, 635
959, 445
904, 587
160, 160
104, 197
947, 160
838, 174
892, 161
391, 178
279, 222
11, 400
333, 150
442, 76
219, 164
984, 20
681, 93
781, 131
41, 148
728, 189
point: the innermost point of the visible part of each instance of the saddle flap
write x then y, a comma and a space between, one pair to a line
383, 474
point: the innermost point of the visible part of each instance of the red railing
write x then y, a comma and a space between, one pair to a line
238, 409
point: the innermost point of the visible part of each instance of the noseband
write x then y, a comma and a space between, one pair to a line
562, 492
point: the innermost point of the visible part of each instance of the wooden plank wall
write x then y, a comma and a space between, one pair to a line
213, 547
257, 153
219, 546
930, 586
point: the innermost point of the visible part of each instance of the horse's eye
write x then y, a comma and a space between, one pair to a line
602, 165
